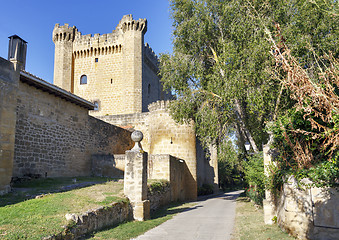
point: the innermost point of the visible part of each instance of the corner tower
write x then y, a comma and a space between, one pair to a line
133, 35
63, 37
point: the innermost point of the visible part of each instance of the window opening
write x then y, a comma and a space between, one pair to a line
83, 79
96, 59
149, 89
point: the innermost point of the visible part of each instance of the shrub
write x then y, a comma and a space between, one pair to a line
158, 186
205, 189
255, 177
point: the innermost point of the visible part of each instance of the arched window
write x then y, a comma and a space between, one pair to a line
96, 106
83, 79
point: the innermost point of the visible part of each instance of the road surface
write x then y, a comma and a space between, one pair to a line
211, 219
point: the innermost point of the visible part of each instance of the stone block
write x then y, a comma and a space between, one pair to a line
141, 210
269, 212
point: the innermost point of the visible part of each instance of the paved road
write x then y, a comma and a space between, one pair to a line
211, 219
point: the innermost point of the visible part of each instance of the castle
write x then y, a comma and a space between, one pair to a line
105, 87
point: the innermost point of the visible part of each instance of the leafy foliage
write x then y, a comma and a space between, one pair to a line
158, 186
239, 64
229, 166
307, 135
255, 177
205, 189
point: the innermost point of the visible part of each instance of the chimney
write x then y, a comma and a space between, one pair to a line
17, 49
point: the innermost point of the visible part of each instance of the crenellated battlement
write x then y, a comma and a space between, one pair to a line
159, 105
151, 55
127, 23
64, 33
97, 39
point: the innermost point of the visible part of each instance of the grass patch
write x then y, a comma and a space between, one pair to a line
133, 229
29, 189
37, 218
250, 224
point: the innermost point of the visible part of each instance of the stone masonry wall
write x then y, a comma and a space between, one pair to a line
107, 165
172, 169
9, 80
179, 140
57, 138
94, 220
162, 135
308, 213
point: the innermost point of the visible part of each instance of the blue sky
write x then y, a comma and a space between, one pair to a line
34, 21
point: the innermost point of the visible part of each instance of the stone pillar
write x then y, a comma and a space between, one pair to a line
135, 179
268, 204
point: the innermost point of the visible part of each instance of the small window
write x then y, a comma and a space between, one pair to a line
83, 79
96, 59
96, 106
149, 89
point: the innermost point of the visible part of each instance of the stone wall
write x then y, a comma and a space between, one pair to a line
9, 80
174, 170
159, 198
207, 166
94, 220
306, 213
55, 137
108, 165
162, 135
179, 140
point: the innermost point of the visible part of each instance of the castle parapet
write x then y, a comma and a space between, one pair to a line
127, 23
159, 105
151, 55
64, 33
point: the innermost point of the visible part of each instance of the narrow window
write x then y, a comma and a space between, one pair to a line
96, 59
96, 106
83, 79
149, 89
111, 81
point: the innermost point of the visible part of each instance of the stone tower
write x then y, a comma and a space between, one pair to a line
116, 71
63, 38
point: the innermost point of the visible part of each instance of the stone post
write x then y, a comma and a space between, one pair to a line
268, 204
135, 179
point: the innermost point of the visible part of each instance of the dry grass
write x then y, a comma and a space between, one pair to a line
250, 224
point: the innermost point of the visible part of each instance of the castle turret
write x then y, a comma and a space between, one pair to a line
133, 32
63, 37
179, 140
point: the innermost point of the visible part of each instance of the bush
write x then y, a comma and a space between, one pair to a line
158, 186
205, 189
255, 177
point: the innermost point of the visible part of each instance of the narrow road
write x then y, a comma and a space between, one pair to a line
211, 219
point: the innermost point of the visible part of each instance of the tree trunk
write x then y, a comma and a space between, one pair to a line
242, 126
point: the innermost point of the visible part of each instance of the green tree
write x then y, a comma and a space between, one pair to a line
222, 70
229, 165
